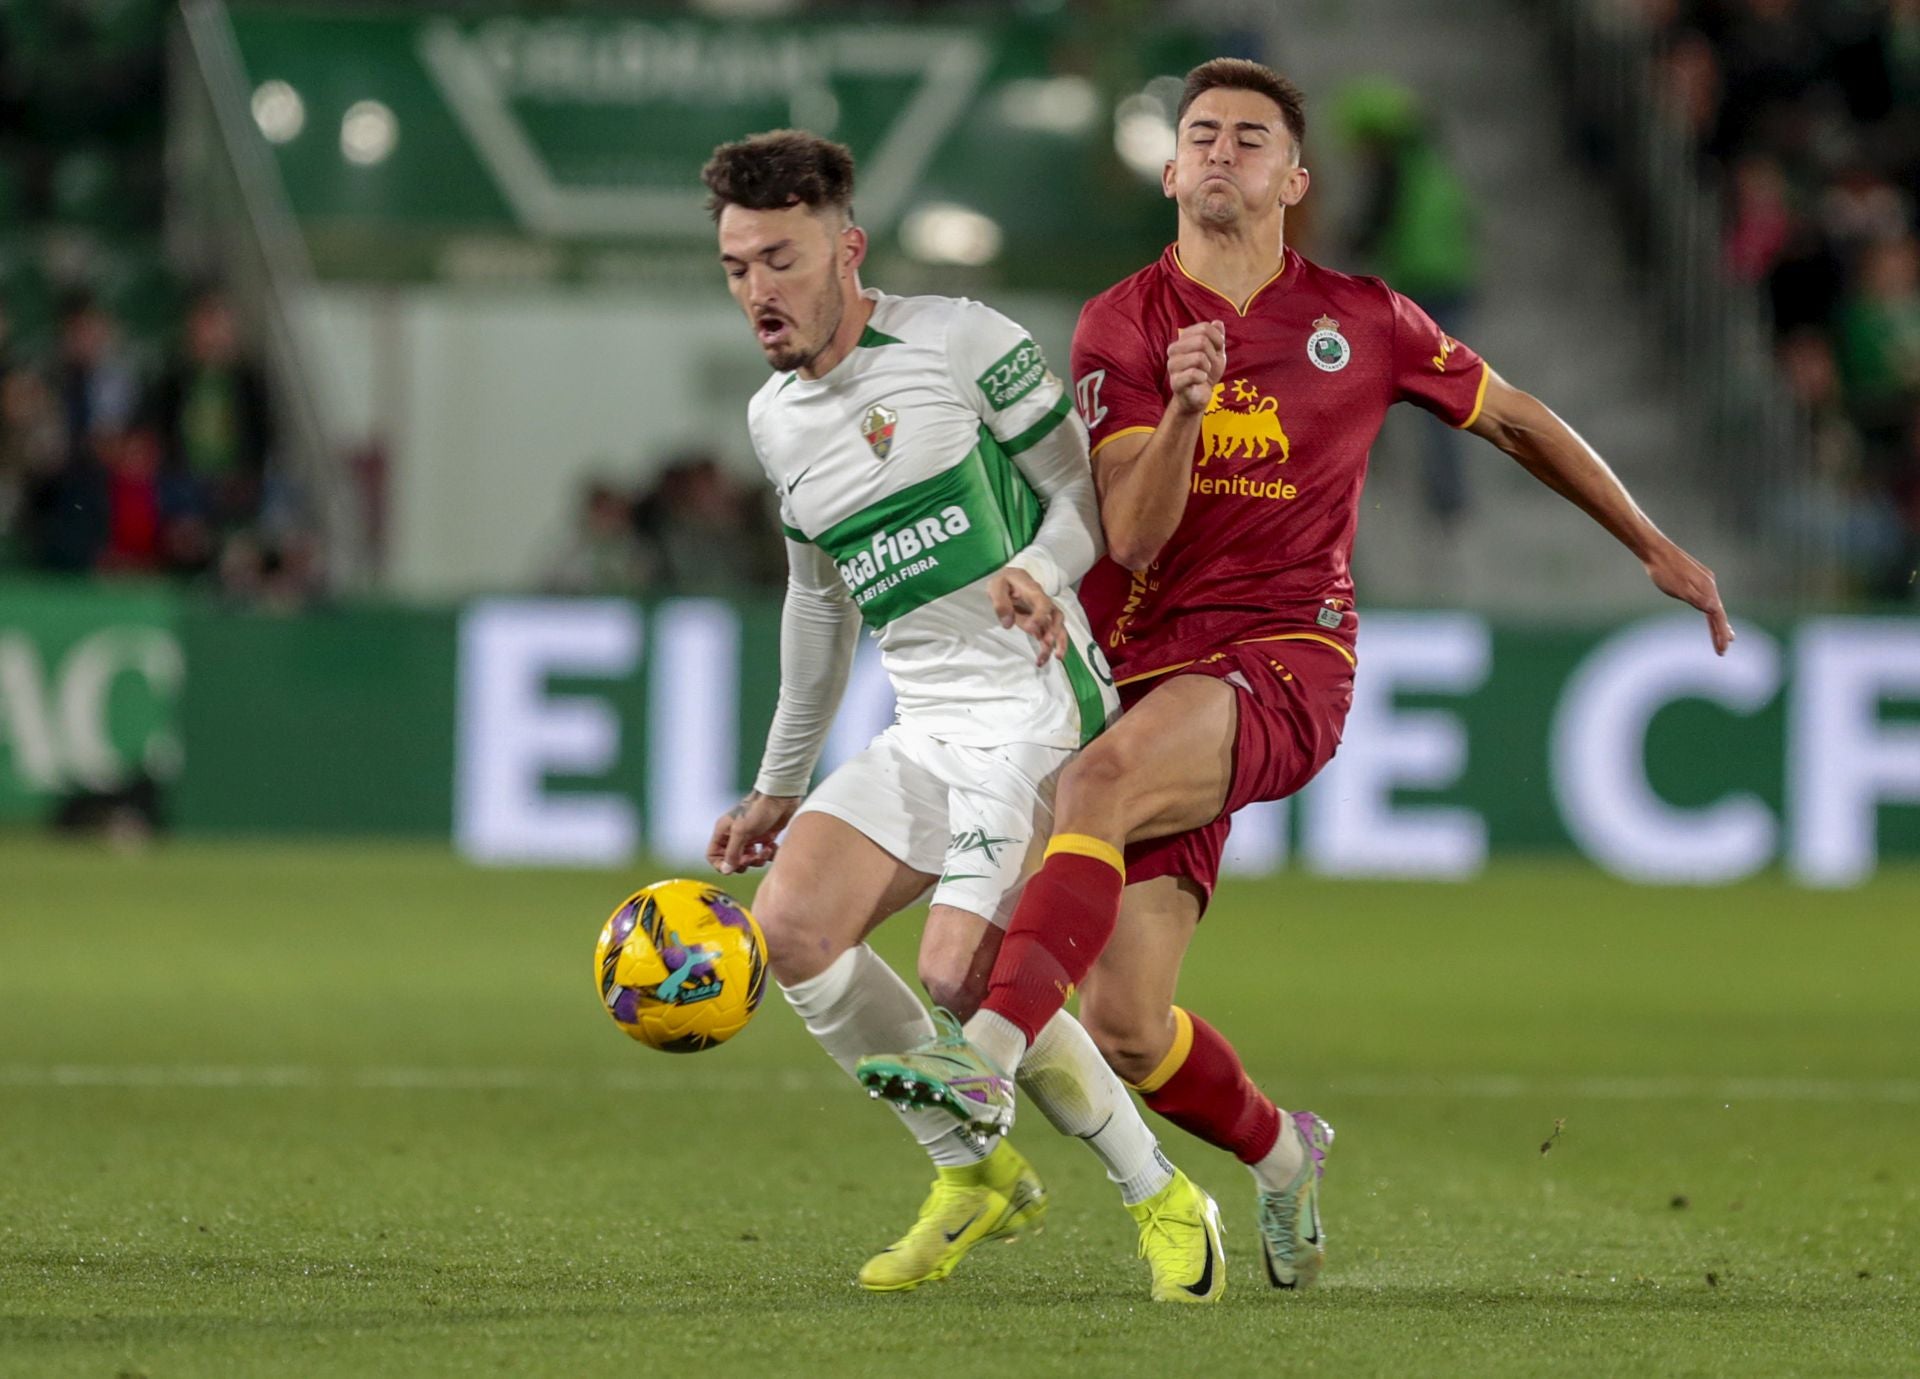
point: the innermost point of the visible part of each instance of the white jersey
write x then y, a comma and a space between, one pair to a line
903, 466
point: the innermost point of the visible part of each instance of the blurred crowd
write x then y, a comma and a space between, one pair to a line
1810, 112
695, 529
136, 431
108, 468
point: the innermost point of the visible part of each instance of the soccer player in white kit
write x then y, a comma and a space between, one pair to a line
934, 484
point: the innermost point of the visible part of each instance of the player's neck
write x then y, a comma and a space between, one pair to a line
1236, 262
853, 324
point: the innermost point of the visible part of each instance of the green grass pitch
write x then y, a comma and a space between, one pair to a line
356, 1112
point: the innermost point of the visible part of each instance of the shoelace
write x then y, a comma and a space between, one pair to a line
1284, 1213
946, 1028
943, 1198
1156, 1223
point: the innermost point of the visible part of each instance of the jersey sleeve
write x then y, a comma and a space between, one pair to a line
1001, 371
1433, 370
1117, 378
788, 524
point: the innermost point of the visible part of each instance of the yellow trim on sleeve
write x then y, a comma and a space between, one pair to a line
1479, 397
1123, 431
1176, 1056
1086, 845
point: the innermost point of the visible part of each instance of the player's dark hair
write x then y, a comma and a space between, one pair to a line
783, 167
1239, 74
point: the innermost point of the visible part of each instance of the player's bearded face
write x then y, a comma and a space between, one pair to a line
1235, 160
813, 323
783, 269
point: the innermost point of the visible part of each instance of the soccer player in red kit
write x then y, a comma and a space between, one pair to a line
1232, 390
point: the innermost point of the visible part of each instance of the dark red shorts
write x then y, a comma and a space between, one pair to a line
1293, 702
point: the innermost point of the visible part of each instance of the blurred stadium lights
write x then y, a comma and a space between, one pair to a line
1143, 132
816, 109
1066, 106
368, 133
943, 232
279, 111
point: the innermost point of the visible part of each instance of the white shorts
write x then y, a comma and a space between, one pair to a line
976, 817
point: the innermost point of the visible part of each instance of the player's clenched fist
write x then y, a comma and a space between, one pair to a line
1195, 362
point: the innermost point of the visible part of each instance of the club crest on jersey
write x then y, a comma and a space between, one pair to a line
877, 429
1327, 347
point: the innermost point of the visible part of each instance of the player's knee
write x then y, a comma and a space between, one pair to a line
1132, 1047
1096, 774
799, 946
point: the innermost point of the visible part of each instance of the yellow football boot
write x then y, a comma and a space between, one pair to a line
1180, 1240
999, 1198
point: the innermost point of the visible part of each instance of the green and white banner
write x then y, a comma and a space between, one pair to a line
591, 731
441, 141
1633, 745
90, 687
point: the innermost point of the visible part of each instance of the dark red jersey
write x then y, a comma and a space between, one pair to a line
1263, 549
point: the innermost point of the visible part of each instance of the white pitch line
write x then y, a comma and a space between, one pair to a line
682, 1079
1497, 1087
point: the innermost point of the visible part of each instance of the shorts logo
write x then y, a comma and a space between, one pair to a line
877, 429
1327, 347
977, 839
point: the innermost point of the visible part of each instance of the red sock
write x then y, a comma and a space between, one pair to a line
1201, 1087
1063, 921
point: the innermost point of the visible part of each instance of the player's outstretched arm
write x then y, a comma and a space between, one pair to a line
1551, 451
1142, 480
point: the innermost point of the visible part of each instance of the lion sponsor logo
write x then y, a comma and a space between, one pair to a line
1251, 430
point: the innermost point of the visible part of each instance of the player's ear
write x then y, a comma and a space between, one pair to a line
853, 248
1293, 187
1166, 179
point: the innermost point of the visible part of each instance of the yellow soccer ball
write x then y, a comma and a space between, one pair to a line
681, 966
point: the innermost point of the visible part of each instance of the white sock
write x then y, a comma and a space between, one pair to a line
998, 1038
1074, 1088
1276, 1172
860, 1006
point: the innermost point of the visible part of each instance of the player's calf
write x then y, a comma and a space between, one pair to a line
957, 950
